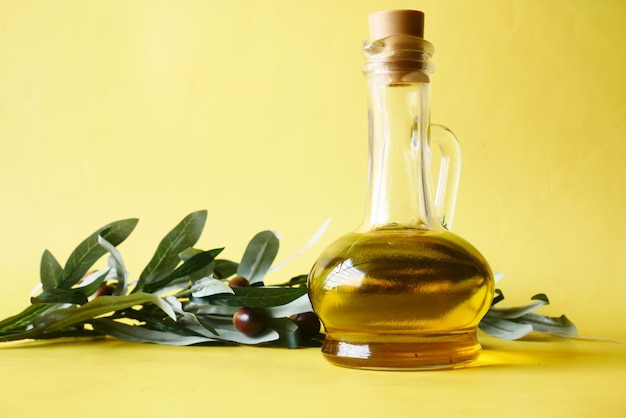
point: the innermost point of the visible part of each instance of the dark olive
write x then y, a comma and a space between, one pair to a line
238, 281
104, 290
250, 321
308, 323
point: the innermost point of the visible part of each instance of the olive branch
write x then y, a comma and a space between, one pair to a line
187, 296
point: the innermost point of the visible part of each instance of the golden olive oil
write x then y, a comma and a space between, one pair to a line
400, 298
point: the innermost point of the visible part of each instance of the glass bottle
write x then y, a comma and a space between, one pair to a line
402, 291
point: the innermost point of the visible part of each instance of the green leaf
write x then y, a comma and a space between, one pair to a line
195, 263
49, 271
90, 289
16, 335
66, 333
144, 335
89, 251
499, 297
542, 297
64, 318
560, 326
223, 269
186, 324
187, 253
205, 324
288, 332
116, 264
208, 286
255, 297
165, 259
201, 306
152, 318
518, 311
299, 305
73, 296
25, 317
503, 328
206, 271
258, 256
300, 280
227, 332
511, 323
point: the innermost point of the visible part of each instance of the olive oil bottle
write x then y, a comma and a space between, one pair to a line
402, 291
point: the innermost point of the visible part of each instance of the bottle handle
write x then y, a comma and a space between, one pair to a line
449, 172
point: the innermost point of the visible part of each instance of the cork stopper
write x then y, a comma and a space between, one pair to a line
396, 22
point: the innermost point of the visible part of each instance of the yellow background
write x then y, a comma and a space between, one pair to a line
256, 111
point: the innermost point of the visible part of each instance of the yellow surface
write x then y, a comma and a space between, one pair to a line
256, 111
543, 378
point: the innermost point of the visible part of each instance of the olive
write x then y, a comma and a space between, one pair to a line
250, 321
104, 290
308, 323
239, 281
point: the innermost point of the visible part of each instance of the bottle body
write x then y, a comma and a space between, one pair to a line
400, 298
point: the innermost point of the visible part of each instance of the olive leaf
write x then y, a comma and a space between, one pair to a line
498, 297
143, 335
67, 317
223, 269
206, 271
300, 280
560, 326
288, 332
227, 332
192, 265
255, 297
89, 251
116, 263
166, 257
277, 304
258, 256
512, 323
86, 285
208, 286
504, 329
49, 271
24, 318
517, 311
92, 282
201, 306
72, 296
298, 305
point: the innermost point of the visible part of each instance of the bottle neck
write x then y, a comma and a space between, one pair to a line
399, 182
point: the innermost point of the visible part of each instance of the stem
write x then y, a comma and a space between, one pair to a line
183, 294
37, 334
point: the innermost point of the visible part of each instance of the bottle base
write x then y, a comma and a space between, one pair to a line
402, 352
